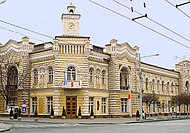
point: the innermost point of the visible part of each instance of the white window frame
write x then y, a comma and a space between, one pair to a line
35, 76
71, 73
49, 104
50, 72
104, 108
34, 104
124, 105
91, 104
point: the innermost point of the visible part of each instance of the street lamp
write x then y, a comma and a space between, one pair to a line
140, 76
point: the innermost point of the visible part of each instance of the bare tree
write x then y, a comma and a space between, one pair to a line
185, 99
149, 98
181, 99
5, 88
10, 79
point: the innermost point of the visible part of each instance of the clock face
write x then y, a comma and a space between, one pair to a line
71, 25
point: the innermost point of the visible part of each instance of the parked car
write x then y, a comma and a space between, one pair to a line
15, 110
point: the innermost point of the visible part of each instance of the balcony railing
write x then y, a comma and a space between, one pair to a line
124, 87
72, 84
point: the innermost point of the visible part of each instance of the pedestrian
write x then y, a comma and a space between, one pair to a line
137, 115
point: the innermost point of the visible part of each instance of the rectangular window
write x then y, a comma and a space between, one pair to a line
13, 102
169, 103
50, 75
91, 104
34, 104
35, 77
103, 105
153, 106
124, 105
49, 104
91, 75
163, 106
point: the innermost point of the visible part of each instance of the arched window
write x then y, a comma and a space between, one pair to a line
162, 86
158, 86
187, 86
172, 87
176, 88
153, 84
146, 84
124, 78
50, 71
103, 77
167, 87
42, 73
98, 76
71, 73
91, 73
12, 76
35, 76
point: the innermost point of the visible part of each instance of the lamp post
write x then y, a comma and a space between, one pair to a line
141, 85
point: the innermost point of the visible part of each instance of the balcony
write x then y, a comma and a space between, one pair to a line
72, 84
124, 87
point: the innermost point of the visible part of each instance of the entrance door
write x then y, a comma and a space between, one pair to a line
71, 102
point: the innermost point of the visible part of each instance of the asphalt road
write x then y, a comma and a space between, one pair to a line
177, 126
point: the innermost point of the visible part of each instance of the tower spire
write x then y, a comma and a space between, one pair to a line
71, 8
71, 20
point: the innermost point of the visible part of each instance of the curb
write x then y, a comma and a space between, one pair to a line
131, 122
6, 129
88, 123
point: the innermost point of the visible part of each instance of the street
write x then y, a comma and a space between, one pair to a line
176, 126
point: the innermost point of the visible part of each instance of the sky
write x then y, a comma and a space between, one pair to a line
101, 25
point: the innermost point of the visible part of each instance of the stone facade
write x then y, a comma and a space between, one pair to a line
70, 72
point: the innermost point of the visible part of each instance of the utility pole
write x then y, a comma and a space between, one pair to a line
141, 85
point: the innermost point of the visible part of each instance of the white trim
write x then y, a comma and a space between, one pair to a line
38, 57
14, 48
159, 72
72, 64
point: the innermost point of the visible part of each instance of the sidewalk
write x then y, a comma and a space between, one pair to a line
5, 127
89, 121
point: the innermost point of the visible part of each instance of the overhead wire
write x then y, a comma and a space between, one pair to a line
32, 31
20, 34
178, 9
154, 21
140, 24
20, 27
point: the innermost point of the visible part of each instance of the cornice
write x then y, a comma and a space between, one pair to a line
42, 58
96, 58
160, 72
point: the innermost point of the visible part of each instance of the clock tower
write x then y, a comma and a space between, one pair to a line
71, 24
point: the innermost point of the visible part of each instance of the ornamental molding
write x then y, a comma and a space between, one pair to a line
160, 73
72, 64
43, 58
96, 58
126, 54
66, 16
11, 49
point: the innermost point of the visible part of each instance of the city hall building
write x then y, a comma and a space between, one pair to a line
71, 72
